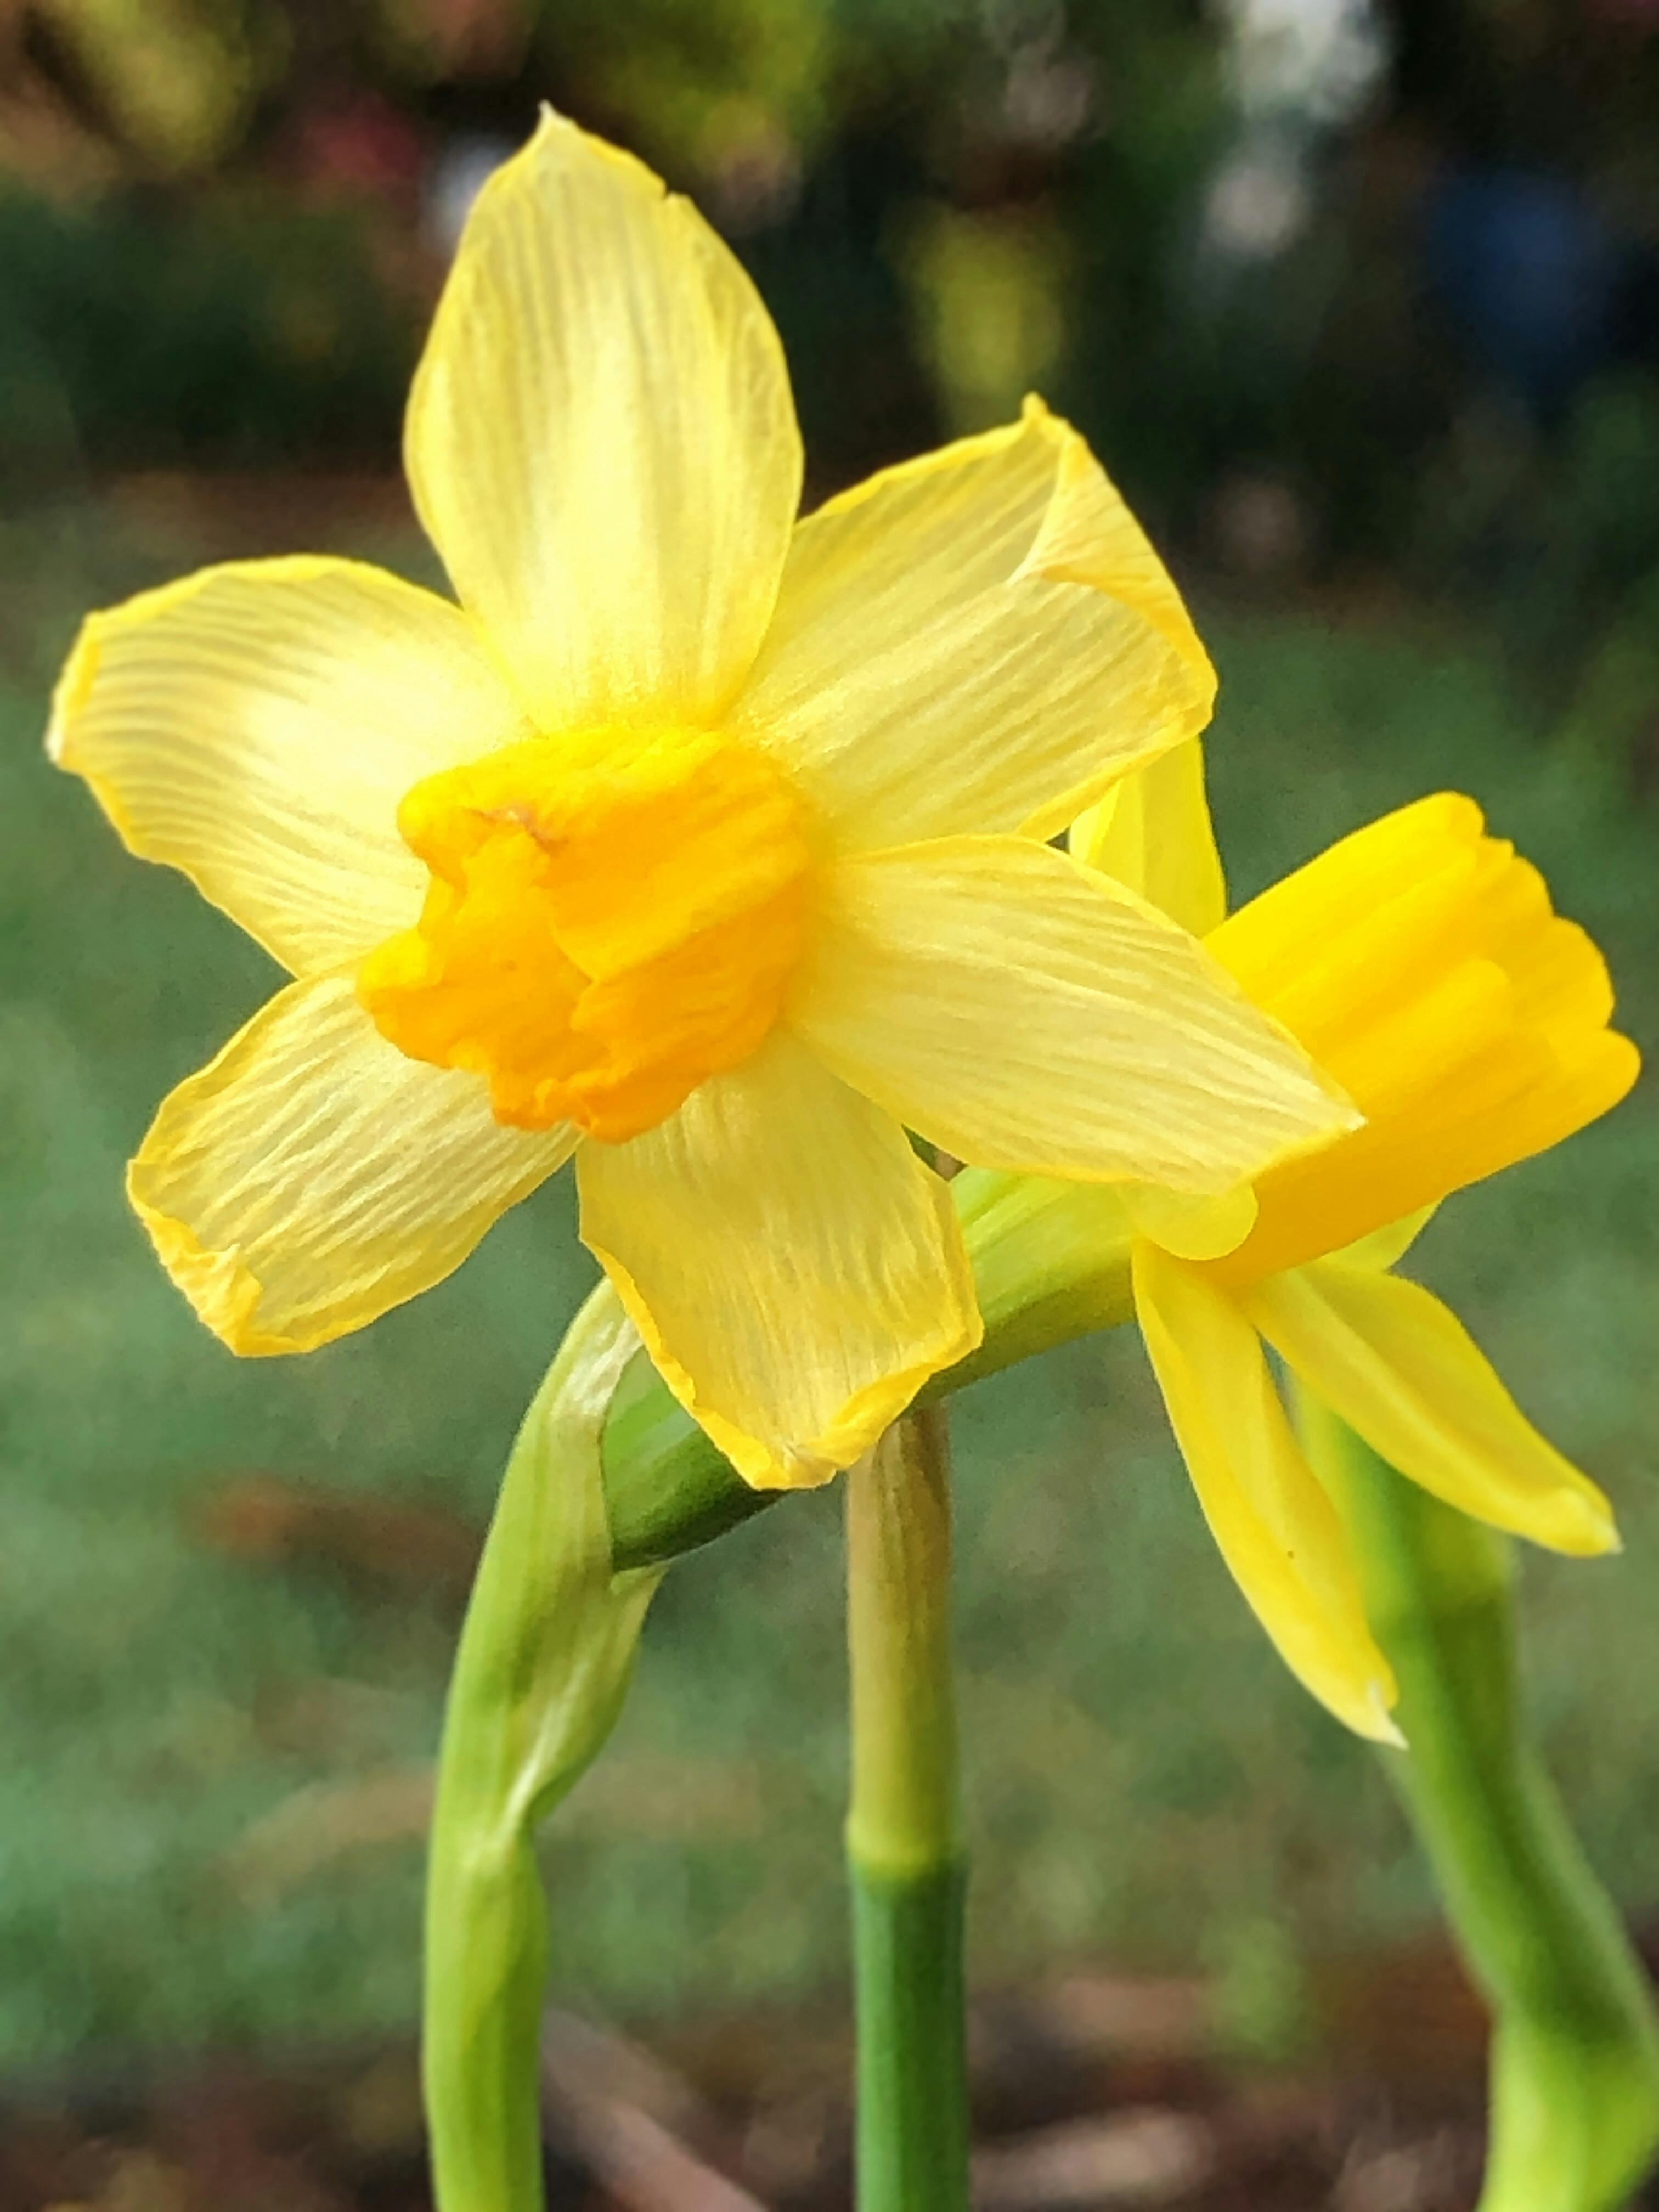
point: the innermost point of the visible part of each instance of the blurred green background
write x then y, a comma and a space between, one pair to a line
1361, 306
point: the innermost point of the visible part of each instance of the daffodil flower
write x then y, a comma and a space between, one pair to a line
1420, 961
699, 843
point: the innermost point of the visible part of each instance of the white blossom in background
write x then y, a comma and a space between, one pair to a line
1295, 70
458, 172
1314, 61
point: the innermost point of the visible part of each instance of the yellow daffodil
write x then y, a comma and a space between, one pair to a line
1420, 961
702, 844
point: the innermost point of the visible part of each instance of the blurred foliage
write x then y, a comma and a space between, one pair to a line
1613, 722
1338, 287
173, 79
988, 287
232, 331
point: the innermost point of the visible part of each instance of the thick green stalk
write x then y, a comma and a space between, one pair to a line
1575, 2060
544, 1663
904, 1844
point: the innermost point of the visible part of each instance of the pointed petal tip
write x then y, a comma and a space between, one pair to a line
763, 1465
1380, 1725
559, 138
1139, 1058
1396, 1365
601, 424
1331, 1113
1345, 1115
1584, 1526
772, 1462
794, 1272
552, 123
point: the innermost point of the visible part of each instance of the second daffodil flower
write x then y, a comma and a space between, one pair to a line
1420, 961
702, 844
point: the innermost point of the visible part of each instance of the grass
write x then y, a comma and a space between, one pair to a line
1145, 1782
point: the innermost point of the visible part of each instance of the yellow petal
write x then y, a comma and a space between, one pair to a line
1278, 1531
1420, 962
1026, 1013
1152, 832
256, 725
980, 640
1402, 1370
601, 440
795, 1271
310, 1177
1192, 1228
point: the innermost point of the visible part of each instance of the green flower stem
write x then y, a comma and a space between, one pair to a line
544, 1663
904, 1843
1575, 2063
1050, 1263
608, 1481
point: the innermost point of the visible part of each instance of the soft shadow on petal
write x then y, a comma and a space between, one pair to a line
1403, 1371
256, 725
980, 640
1278, 1531
795, 1271
601, 439
311, 1177
1025, 1013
